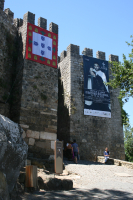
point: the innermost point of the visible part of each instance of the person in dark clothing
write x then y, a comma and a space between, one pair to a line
69, 150
75, 149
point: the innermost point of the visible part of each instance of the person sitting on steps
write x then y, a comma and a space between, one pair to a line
106, 154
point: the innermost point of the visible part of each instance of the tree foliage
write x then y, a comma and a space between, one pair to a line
124, 115
128, 142
122, 77
122, 74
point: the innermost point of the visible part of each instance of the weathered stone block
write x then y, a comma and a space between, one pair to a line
24, 126
40, 144
32, 134
117, 145
48, 136
49, 130
48, 145
31, 141
52, 144
84, 140
28, 132
52, 127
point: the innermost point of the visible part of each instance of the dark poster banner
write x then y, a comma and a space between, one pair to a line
96, 92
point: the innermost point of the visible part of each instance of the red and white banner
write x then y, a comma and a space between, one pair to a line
41, 46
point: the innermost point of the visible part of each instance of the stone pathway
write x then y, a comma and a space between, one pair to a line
92, 181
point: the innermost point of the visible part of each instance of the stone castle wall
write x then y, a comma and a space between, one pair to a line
38, 110
34, 87
92, 133
7, 37
29, 95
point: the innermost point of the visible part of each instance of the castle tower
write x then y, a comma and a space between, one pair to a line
38, 109
28, 89
92, 133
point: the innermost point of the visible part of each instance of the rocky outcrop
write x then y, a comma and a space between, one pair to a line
13, 150
3, 187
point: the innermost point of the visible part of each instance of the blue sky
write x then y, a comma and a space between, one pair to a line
102, 25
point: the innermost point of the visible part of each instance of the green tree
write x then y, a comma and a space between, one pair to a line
128, 142
123, 75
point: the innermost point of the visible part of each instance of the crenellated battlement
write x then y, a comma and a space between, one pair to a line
9, 13
42, 22
30, 17
100, 55
53, 27
87, 52
113, 58
18, 22
63, 55
6, 16
73, 50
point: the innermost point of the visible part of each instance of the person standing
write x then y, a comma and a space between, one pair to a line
69, 150
75, 149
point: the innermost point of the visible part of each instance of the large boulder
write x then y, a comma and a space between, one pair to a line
3, 187
13, 150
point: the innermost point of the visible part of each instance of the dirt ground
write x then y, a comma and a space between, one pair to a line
91, 180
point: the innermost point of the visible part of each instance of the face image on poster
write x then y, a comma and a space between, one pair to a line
96, 92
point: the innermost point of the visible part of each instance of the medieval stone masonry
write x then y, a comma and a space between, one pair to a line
92, 133
48, 103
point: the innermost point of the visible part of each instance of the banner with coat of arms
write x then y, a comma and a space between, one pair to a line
41, 46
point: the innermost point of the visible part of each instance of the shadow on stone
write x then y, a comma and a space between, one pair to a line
63, 122
57, 184
110, 161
